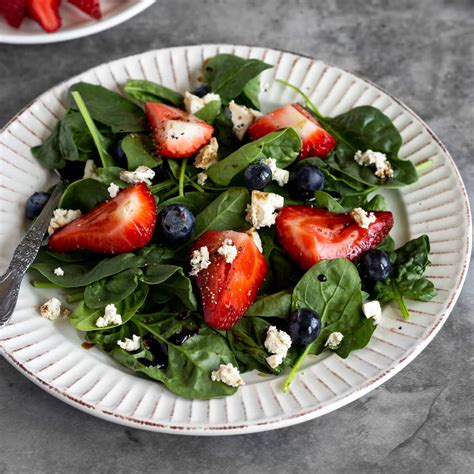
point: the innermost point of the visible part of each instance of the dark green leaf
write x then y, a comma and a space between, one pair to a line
139, 151
75, 141
84, 194
48, 153
147, 91
196, 202
276, 305
210, 111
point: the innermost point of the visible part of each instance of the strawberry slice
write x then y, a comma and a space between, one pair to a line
91, 7
310, 235
176, 133
46, 13
119, 225
228, 289
14, 11
315, 141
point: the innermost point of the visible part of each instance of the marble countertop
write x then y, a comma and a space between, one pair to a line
421, 420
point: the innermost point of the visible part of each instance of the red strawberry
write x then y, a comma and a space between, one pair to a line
177, 134
119, 225
310, 235
46, 13
228, 289
91, 7
315, 140
14, 11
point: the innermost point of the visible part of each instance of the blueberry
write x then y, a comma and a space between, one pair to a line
375, 265
201, 90
304, 326
257, 176
35, 203
119, 153
304, 181
176, 223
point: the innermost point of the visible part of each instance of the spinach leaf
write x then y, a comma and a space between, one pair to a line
111, 174
224, 213
376, 203
196, 202
283, 145
84, 318
156, 273
276, 305
406, 279
139, 151
210, 111
250, 94
326, 201
387, 245
84, 194
107, 339
227, 75
110, 108
346, 204
48, 153
147, 91
112, 289
75, 141
223, 131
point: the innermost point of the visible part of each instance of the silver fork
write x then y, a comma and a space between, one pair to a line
23, 257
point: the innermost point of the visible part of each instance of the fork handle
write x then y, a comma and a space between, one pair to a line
10, 283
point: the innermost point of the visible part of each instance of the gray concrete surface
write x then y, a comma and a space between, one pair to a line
421, 420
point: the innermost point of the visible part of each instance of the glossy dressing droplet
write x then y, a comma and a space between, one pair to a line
322, 277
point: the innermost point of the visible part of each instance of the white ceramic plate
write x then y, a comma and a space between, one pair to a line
50, 354
75, 23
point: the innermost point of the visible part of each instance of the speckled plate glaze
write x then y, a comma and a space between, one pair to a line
75, 23
50, 354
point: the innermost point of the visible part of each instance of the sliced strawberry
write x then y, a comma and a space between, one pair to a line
14, 11
91, 7
315, 141
119, 225
46, 13
310, 235
176, 133
228, 289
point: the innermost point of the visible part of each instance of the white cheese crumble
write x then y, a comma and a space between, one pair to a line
228, 250
363, 218
130, 345
242, 118
199, 260
277, 343
256, 239
142, 174
279, 175
372, 309
201, 179
207, 155
90, 170
62, 217
228, 374
261, 211
194, 104
383, 168
51, 310
59, 272
334, 340
113, 190
110, 317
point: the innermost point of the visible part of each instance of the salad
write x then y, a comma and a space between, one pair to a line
199, 238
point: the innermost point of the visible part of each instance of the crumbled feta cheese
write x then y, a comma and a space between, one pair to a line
256, 239
363, 218
279, 175
110, 317
261, 211
207, 155
90, 170
199, 260
372, 309
228, 250
194, 104
130, 345
62, 217
227, 374
202, 178
242, 118
113, 190
51, 309
334, 340
59, 272
383, 168
142, 174
277, 343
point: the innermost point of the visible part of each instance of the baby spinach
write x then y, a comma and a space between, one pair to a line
276, 305
156, 273
139, 151
48, 153
147, 91
84, 194
196, 202
75, 141
347, 203
109, 108
283, 146
210, 111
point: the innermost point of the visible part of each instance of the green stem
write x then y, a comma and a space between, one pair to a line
182, 175
400, 301
45, 284
160, 186
296, 367
195, 185
73, 297
305, 97
424, 166
170, 193
96, 135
